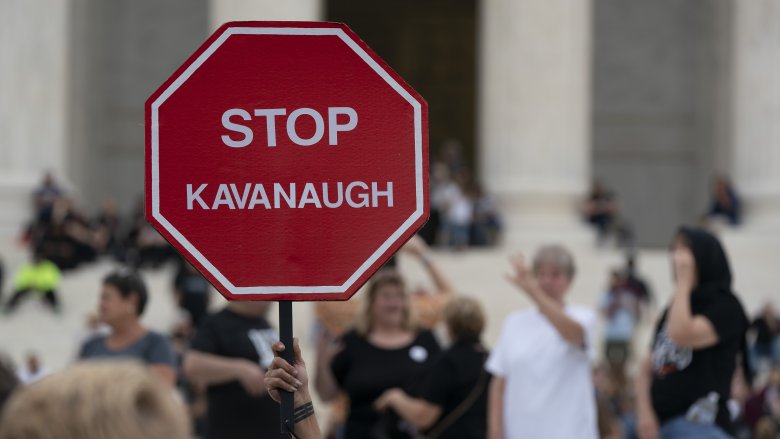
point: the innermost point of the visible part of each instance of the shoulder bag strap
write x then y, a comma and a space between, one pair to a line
461, 408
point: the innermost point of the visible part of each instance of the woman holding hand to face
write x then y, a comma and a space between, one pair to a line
684, 384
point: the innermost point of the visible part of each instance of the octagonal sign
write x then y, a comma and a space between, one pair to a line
286, 161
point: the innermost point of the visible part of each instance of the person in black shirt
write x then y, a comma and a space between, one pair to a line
385, 350
454, 405
192, 292
684, 385
229, 355
766, 348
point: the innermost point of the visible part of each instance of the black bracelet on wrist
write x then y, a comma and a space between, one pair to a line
302, 412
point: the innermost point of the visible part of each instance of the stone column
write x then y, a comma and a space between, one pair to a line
534, 113
756, 110
33, 79
248, 10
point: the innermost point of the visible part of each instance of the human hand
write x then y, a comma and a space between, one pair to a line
251, 377
416, 246
327, 348
522, 276
386, 400
292, 378
647, 424
684, 268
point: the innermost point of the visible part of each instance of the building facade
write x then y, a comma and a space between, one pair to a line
653, 98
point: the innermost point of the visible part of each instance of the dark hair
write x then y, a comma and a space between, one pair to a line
8, 380
129, 284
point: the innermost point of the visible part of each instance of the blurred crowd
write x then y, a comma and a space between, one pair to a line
396, 362
602, 210
462, 213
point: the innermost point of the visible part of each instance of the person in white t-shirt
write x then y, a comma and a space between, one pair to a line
542, 385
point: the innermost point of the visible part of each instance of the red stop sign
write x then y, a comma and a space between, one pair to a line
286, 161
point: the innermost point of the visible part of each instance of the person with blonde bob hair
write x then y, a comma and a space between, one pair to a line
96, 400
454, 403
386, 349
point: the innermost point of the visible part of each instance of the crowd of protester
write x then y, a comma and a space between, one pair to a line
65, 234
462, 213
603, 211
395, 362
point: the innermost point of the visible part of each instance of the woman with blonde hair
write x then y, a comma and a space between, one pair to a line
386, 349
99, 400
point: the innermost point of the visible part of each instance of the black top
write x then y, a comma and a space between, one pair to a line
365, 371
453, 377
681, 376
764, 334
233, 413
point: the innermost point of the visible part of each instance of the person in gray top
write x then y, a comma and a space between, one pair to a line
122, 301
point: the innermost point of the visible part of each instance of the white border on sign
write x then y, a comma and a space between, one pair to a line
286, 31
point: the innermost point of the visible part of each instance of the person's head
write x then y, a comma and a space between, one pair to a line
774, 377
123, 297
33, 362
597, 187
387, 303
616, 279
631, 263
252, 309
465, 319
96, 400
603, 380
768, 311
711, 264
8, 380
554, 270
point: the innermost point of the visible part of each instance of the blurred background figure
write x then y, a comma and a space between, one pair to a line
615, 420
192, 292
765, 332
39, 276
98, 400
9, 381
487, 225
620, 307
33, 370
145, 247
637, 284
44, 198
123, 299
601, 210
725, 204
762, 414
108, 227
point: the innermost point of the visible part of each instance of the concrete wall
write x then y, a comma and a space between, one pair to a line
33, 77
658, 104
123, 51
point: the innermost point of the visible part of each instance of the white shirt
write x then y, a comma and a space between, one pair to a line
549, 390
28, 377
